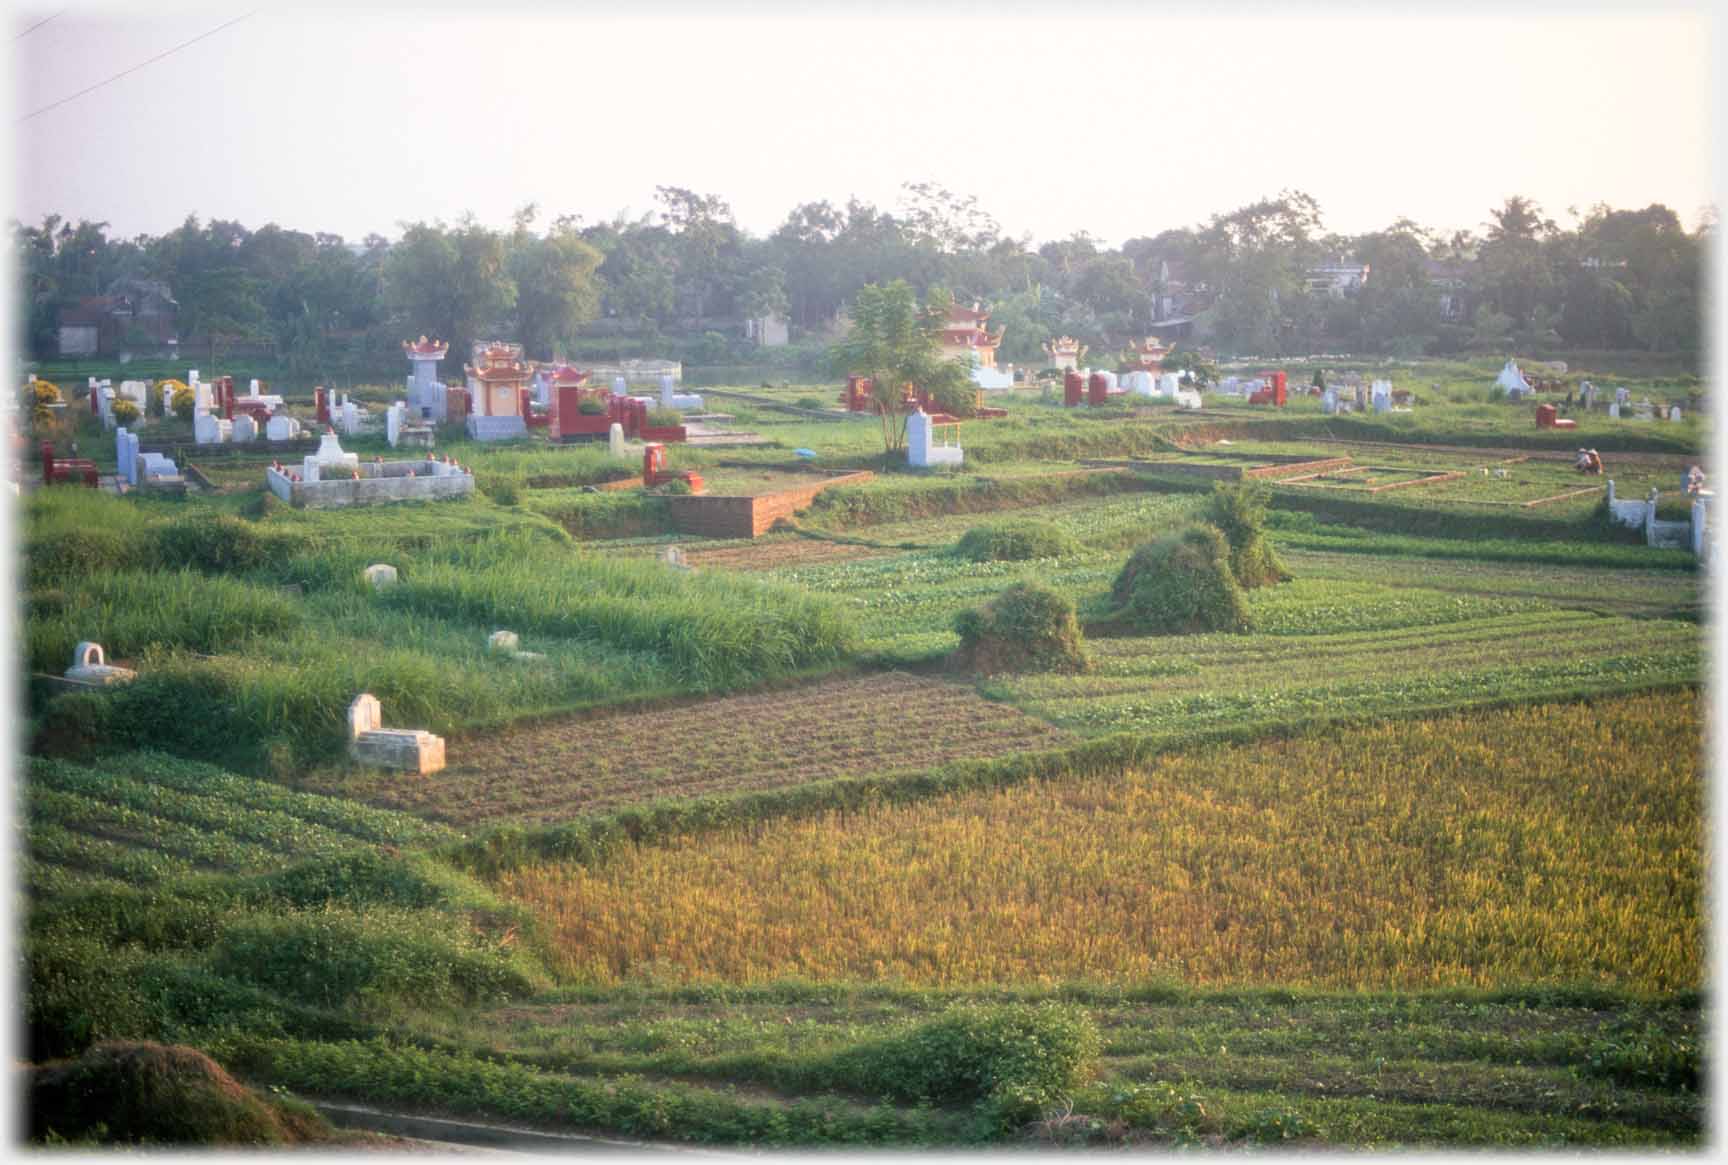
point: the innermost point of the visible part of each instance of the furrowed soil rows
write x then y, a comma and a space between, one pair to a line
557, 770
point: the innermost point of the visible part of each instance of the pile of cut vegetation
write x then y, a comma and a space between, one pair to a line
1194, 579
1015, 541
159, 1094
1025, 628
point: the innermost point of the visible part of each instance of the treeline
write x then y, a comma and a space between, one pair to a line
687, 275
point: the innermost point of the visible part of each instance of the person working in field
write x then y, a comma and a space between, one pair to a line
1588, 461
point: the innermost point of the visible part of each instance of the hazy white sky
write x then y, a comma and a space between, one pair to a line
1121, 120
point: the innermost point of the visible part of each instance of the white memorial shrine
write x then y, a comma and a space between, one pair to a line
922, 450
1513, 382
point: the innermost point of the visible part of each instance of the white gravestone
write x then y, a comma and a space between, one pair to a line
350, 418
281, 428
330, 453
245, 428
1169, 384
380, 575
209, 430
126, 453
615, 441
393, 423
921, 448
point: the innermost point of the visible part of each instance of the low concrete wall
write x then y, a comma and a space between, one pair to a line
711, 516
379, 484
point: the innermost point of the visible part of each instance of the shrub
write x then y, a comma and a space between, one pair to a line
591, 406
1015, 540
125, 412
1181, 583
815, 403
183, 402
1025, 628
1240, 511
1017, 1057
144, 1093
665, 418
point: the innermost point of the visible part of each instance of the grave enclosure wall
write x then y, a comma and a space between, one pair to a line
749, 517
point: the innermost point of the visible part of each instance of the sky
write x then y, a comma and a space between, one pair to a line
1120, 120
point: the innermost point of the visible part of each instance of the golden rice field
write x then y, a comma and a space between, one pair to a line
1543, 844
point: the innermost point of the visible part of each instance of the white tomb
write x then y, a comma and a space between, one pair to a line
1513, 381
90, 666
683, 401
615, 441
212, 430
244, 429
281, 428
330, 453
921, 447
1381, 394
370, 743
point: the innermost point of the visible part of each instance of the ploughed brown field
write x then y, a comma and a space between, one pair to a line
559, 769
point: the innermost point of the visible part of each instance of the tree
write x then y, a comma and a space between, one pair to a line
1190, 364
556, 289
450, 282
895, 341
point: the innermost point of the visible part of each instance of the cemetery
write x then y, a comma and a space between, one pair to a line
395, 645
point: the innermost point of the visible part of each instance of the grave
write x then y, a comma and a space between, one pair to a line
1380, 393
427, 395
380, 575
330, 454
1513, 382
682, 401
922, 449
212, 430
369, 483
281, 428
369, 743
90, 666
148, 469
401, 431
498, 381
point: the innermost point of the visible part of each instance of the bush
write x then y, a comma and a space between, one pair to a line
155, 1094
125, 412
814, 403
665, 418
591, 406
1018, 1058
1240, 511
1025, 628
183, 402
1181, 583
1015, 541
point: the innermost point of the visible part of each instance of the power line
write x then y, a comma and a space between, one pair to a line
135, 68
38, 24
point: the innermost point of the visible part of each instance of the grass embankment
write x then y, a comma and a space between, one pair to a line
250, 650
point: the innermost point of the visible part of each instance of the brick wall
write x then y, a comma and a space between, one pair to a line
749, 517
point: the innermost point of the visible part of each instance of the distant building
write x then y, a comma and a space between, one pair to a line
1451, 280
135, 315
1337, 279
769, 331
966, 335
1065, 352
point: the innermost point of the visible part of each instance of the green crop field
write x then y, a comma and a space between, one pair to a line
743, 852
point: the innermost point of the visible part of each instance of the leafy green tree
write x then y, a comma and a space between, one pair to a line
556, 288
449, 282
895, 341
